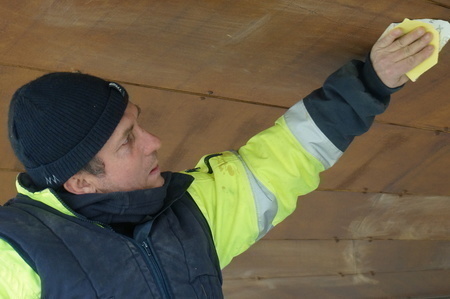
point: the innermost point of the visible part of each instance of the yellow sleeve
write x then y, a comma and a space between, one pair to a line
244, 194
283, 166
17, 279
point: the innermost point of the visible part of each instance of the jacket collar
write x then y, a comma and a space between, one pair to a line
116, 207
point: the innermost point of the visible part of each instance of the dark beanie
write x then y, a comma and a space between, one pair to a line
60, 121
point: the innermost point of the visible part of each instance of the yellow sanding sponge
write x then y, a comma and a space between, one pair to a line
409, 25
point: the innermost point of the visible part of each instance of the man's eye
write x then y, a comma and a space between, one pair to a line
128, 140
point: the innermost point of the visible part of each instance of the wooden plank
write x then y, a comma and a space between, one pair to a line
291, 258
272, 52
347, 269
347, 215
388, 158
396, 160
298, 258
418, 284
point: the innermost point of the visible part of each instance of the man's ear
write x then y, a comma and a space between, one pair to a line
79, 183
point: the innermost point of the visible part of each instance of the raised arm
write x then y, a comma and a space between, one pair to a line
243, 194
351, 97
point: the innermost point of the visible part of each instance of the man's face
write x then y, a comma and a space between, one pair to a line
130, 157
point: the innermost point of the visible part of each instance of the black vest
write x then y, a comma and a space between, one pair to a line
171, 255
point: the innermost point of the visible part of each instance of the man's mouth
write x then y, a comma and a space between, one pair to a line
155, 170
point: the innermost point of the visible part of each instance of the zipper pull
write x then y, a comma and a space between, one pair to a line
147, 248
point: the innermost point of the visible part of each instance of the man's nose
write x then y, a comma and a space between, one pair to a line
151, 143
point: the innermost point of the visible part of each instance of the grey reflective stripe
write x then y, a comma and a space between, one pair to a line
265, 202
310, 136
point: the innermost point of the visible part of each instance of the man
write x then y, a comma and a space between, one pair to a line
95, 217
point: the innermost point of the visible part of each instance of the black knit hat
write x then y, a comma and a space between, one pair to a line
60, 121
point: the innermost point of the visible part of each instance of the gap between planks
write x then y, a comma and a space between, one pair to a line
370, 273
400, 194
438, 3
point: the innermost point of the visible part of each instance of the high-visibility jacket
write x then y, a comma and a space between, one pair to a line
242, 194
170, 253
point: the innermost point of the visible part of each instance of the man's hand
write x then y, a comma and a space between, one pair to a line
396, 53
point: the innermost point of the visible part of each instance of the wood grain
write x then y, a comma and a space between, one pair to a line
393, 159
297, 258
345, 269
209, 75
358, 216
272, 52
418, 284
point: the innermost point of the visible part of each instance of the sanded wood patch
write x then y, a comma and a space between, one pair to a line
357, 216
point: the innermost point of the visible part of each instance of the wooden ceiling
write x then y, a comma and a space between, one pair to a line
210, 74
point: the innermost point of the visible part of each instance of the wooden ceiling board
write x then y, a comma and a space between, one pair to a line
297, 258
331, 215
414, 285
387, 159
273, 52
394, 159
356, 269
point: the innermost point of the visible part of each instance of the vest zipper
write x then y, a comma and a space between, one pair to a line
156, 269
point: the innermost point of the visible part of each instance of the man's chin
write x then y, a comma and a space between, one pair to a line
157, 181
161, 181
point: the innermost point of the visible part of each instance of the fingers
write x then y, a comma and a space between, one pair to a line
389, 38
395, 40
411, 61
414, 47
411, 43
407, 39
